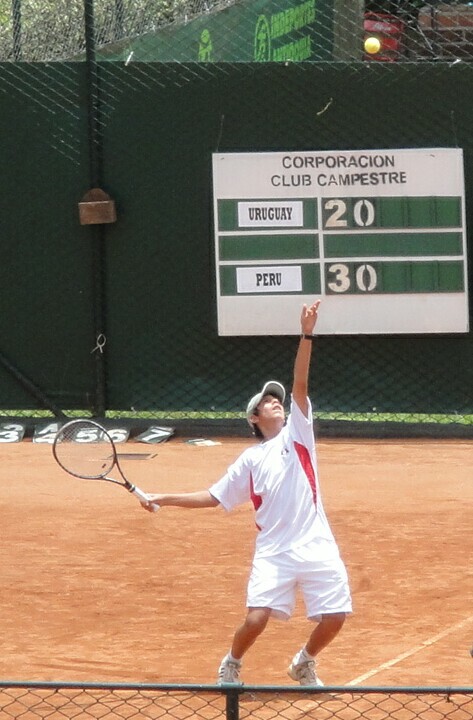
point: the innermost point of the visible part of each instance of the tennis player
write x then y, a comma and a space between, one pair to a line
295, 547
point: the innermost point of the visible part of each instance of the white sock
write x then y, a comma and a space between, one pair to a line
302, 656
230, 658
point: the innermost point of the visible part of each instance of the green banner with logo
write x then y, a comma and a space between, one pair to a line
250, 31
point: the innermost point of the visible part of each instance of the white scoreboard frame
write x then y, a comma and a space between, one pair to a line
273, 181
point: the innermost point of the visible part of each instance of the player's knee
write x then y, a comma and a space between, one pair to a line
333, 622
256, 620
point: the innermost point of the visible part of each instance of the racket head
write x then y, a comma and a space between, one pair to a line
84, 448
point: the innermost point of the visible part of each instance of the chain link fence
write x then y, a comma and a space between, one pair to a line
180, 30
31, 701
132, 98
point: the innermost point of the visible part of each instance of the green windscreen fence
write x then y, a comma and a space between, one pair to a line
121, 317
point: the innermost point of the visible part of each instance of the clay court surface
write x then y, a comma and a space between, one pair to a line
93, 588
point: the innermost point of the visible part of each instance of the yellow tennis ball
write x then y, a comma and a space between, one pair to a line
372, 45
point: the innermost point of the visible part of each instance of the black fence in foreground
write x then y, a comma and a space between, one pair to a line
81, 701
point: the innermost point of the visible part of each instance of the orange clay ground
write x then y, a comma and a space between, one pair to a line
93, 588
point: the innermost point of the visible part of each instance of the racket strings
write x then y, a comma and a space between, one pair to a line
84, 451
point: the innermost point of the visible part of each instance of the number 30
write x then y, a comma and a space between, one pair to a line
365, 278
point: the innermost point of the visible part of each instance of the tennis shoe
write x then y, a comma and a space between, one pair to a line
229, 672
304, 673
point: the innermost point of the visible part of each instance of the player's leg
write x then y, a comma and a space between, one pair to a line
253, 625
271, 592
324, 632
326, 592
303, 666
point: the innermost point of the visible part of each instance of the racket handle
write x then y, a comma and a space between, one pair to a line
143, 497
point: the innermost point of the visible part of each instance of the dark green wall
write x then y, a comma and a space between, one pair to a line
45, 260
160, 125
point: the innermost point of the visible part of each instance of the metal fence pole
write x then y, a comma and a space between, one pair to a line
97, 231
232, 709
95, 163
348, 29
16, 18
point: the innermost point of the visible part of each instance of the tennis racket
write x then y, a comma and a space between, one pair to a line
85, 449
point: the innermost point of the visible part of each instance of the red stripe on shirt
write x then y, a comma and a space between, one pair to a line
306, 462
255, 499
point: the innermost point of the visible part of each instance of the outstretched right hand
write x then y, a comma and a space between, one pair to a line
309, 318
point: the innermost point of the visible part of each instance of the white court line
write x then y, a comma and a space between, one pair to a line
410, 652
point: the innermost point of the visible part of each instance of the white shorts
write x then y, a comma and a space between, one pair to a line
324, 585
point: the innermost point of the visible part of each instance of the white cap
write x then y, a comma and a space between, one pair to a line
272, 387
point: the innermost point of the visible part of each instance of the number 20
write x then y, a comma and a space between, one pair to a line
363, 213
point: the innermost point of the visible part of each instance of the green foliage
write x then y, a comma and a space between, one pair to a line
54, 29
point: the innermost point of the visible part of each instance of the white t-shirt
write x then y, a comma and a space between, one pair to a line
279, 477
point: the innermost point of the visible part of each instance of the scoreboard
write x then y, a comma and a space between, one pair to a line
379, 235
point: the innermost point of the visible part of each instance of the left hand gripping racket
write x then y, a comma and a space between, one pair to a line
85, 449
